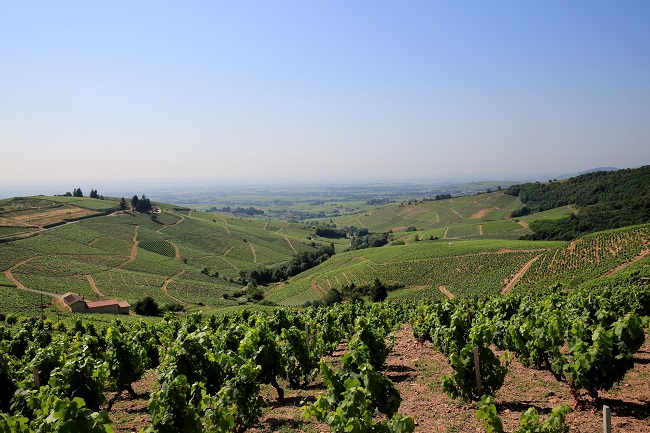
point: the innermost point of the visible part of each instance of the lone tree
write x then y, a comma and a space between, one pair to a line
77, 193
93, 193
378, 291
122, 204
134, 202
147, 307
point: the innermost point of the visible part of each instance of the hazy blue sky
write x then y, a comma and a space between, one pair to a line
323, 89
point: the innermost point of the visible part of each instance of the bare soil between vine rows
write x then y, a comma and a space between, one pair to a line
416, 369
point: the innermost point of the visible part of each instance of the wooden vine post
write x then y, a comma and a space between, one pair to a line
607, 419
478, 372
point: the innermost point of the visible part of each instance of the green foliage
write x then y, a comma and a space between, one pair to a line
83, 374
529, 423
126, 358
147, 307
600, 356
51, 413
354, 394
462, 382
370, 336
301, 363
607, 200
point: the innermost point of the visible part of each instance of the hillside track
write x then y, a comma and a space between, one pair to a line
317, 288
225, 224
21, 286
290, 245
134, 248
166, 283
446, 292
625, 265
182, 218
177, 252
91, 281
519, 274
250, 244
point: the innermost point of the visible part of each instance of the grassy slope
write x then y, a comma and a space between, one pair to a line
461, 215
59, 259
473, 254
469, 267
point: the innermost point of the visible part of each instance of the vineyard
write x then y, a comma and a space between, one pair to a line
130, 255
469, 268
461, 214
390, 367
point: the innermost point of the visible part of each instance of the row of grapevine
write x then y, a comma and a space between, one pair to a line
602, 331
209, 369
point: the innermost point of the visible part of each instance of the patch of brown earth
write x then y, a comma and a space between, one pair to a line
480, 214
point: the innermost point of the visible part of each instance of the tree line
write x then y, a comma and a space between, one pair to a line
299, 263
607, 200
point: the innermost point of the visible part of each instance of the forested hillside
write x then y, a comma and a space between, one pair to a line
607, 199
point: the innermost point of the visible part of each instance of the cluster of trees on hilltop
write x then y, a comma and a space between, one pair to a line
77, 192
142, 205
607, 199
299, 263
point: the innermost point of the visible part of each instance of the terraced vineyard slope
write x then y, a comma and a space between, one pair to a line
197, 256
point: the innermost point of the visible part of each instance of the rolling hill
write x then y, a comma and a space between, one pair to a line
174, 256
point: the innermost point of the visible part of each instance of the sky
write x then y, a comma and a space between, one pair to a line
125, 91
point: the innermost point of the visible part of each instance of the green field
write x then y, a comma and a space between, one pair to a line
129, 256
469, 267
466, 245
458, 217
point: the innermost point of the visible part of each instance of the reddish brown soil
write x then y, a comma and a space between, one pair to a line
416, 370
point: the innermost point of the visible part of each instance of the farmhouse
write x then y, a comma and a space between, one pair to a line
77, 304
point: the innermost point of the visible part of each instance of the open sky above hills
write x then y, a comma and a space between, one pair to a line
328, 90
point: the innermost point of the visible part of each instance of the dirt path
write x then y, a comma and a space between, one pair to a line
519, 274
169, 280
20, 285
265, 226
317, 288
480, 214
524, 224
228, 250
444, 236
228, 261
94, 286
447, 293
182, 218
225, 224
625, 265
177, 252
134, 248
454, 211
253, 251
480, 229
289, 242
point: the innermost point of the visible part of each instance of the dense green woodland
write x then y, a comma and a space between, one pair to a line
607, 199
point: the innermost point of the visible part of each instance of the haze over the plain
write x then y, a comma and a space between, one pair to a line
354, 90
